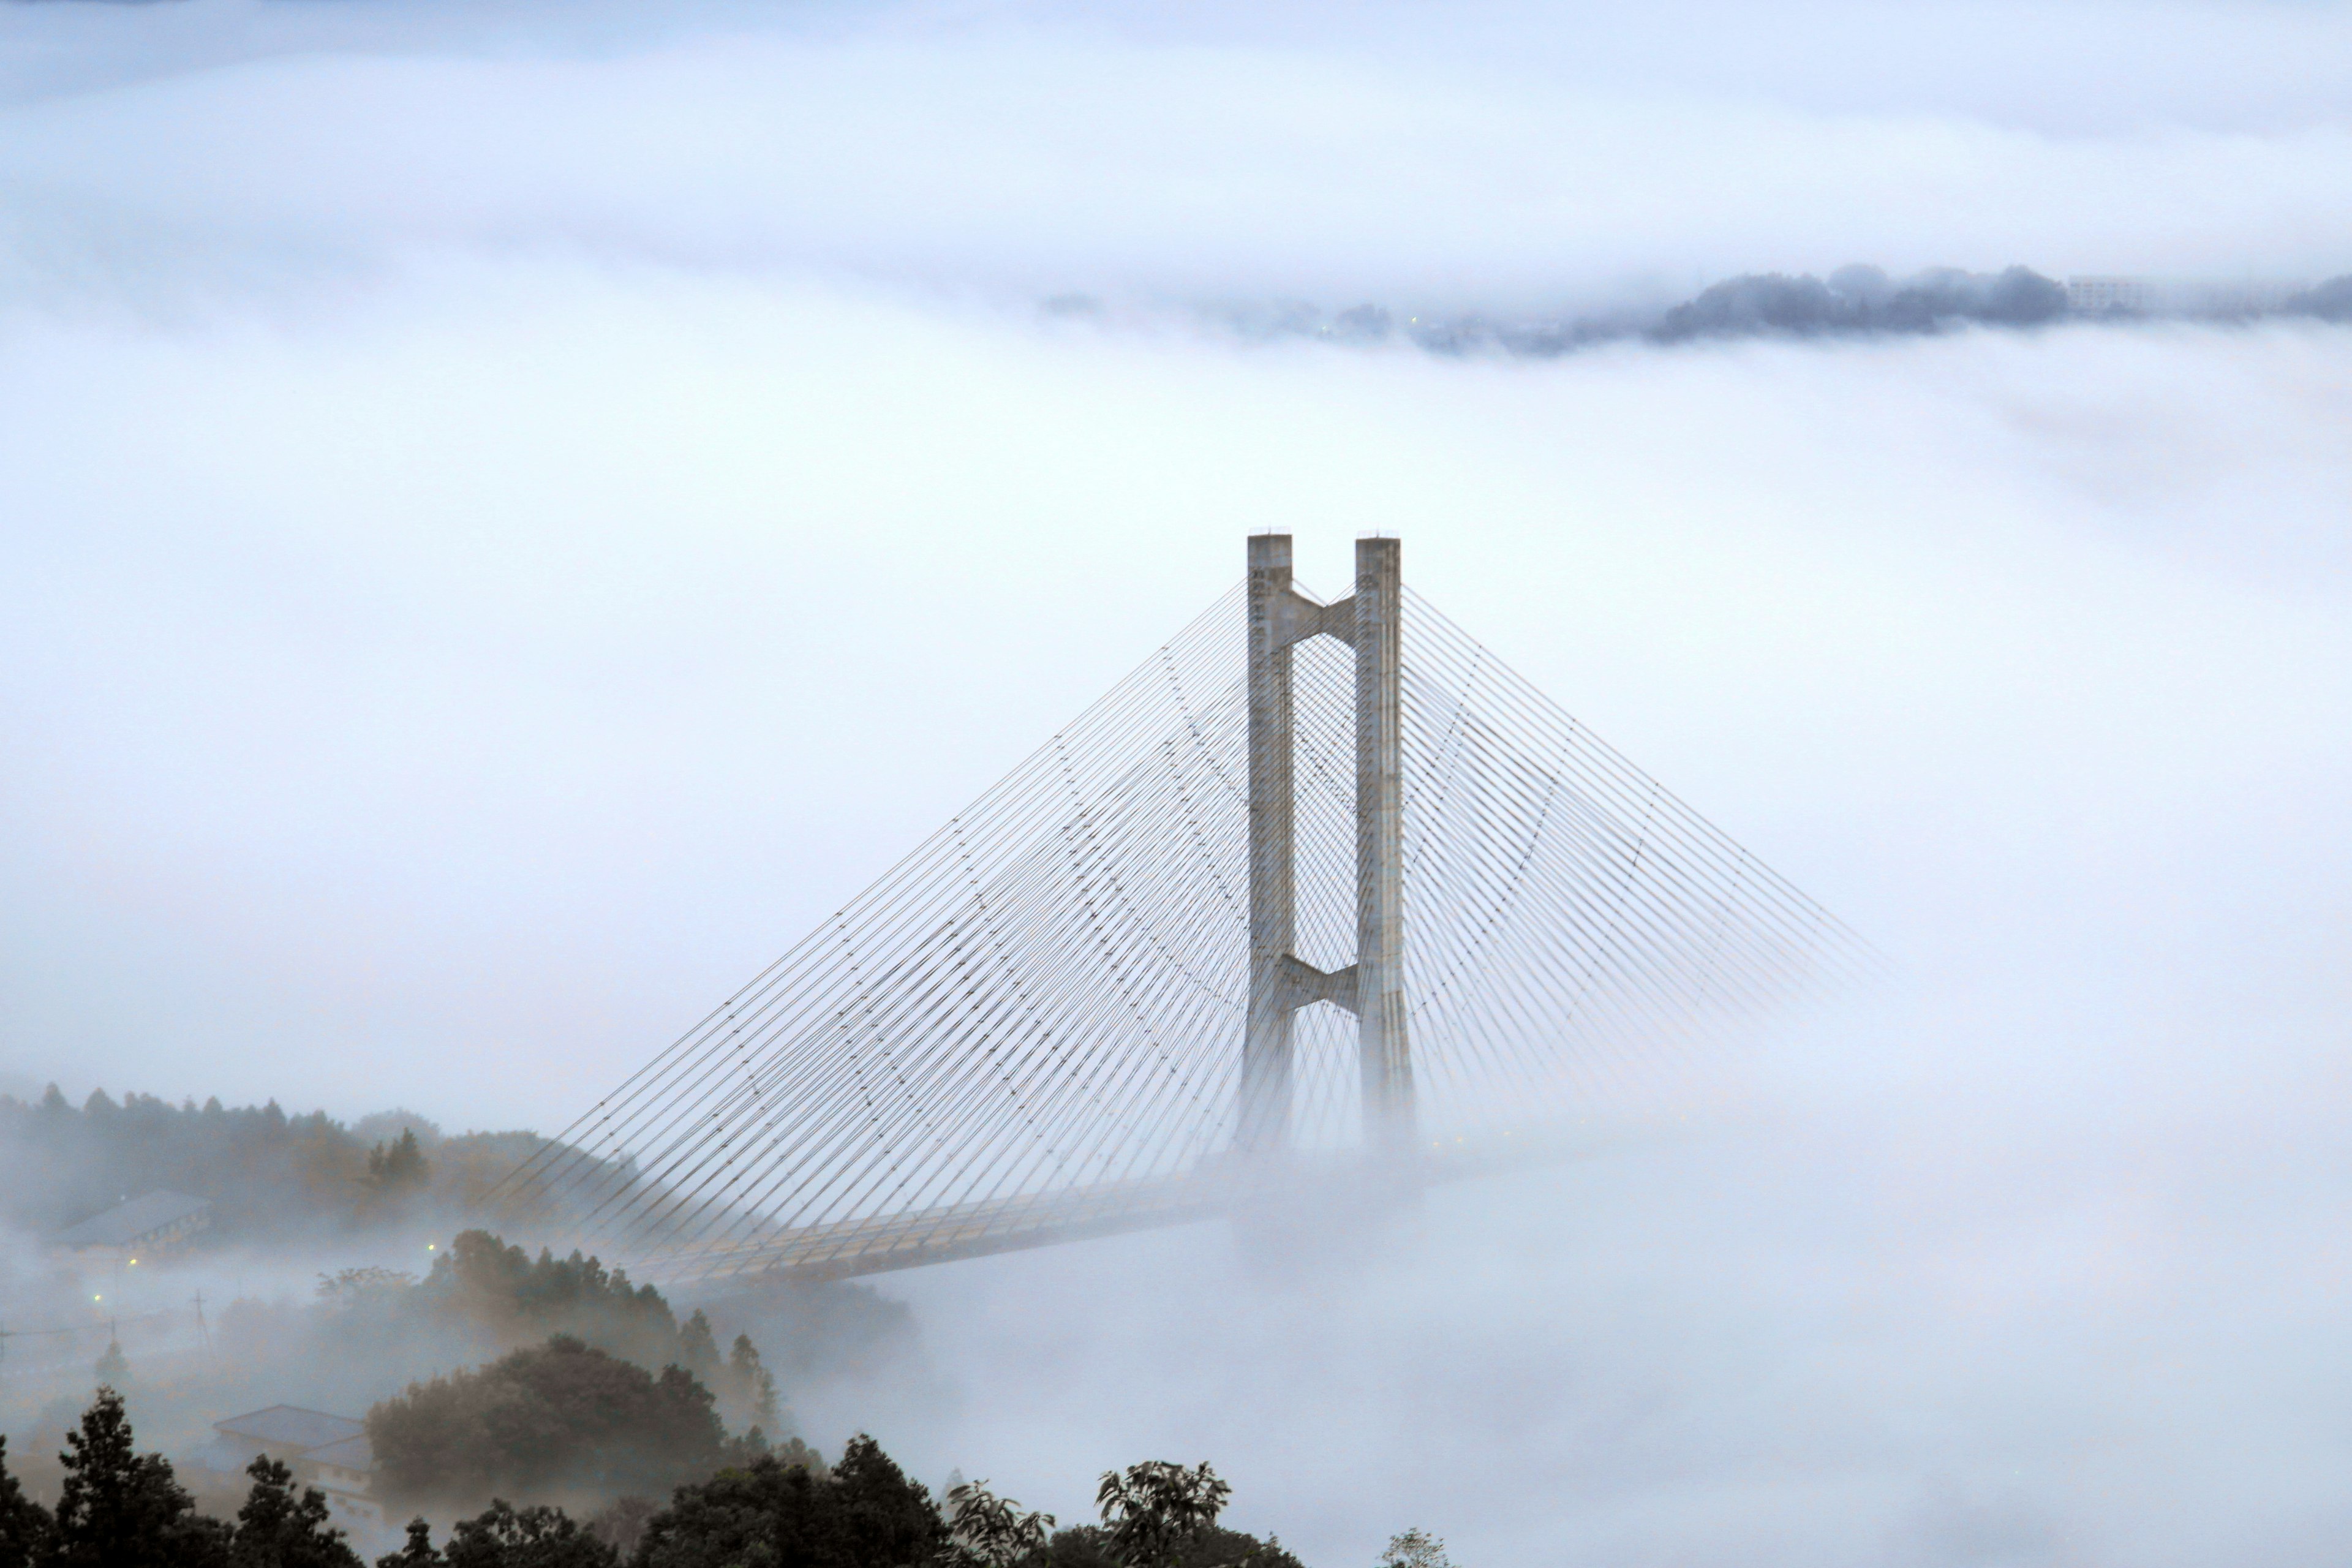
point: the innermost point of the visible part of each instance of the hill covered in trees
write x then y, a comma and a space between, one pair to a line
271, 1176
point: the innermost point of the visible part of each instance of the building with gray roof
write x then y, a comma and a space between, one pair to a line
152, 1222
329, 1452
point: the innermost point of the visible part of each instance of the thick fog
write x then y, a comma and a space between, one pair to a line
510, 514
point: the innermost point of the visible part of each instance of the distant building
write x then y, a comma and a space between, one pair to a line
151, 1223
2117, 296
2121, 296
329, 1452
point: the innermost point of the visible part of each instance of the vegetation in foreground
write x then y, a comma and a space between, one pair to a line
562, 1419
122, 1508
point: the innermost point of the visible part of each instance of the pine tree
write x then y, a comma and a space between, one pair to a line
750, 1388
397, 1172
24, 1523
276, 1528
697, 1350
120, 1509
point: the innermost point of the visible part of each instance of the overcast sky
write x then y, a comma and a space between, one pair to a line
508, 515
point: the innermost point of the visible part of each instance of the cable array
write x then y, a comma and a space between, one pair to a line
1044, 1002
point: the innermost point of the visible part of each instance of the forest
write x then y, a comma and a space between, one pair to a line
120, 1508
271, 1176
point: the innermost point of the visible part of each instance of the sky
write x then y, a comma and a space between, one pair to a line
508, 514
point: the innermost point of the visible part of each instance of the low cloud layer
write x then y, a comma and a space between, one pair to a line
1507, 158
511, 516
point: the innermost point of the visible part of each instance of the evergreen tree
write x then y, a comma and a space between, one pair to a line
274, 1529
751, 1390
24, 1523
500, 1290
697, 1350
120, 1509
886, 1517
398, 1168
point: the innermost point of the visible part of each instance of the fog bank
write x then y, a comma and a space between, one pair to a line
1503, 157
508, 517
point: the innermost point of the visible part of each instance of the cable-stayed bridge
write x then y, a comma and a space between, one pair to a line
1320, 892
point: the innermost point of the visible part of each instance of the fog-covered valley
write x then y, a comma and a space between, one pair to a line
510, 516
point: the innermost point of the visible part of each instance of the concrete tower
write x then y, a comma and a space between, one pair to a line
1372, 987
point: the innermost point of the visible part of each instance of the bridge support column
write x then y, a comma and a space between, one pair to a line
1264, 1110
1386, 1059
1280, 984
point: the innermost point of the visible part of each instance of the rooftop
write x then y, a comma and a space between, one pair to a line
352, 1454
134, 1221
290, 1429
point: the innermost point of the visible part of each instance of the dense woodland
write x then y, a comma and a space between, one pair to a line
585, 1425
271, 1176
600, 1391
572, 1383
122, 1508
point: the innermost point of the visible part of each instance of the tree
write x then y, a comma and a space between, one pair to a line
887, 1517
751, 1390
697, 1350
24, 1523
990, 1531
504, 1537
364, 1289
1152, 1512
1088, 1546
265, 1172
120, 1509
397, 1176
503, 1292
563, 1415
276, 1528
418, 1552
398, 1168
865, 1514
1415, 1549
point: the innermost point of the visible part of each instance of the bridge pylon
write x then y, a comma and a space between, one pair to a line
1083, 1005
1280, 982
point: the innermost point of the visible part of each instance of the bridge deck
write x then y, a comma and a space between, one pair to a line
852, 1247
945, 1234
